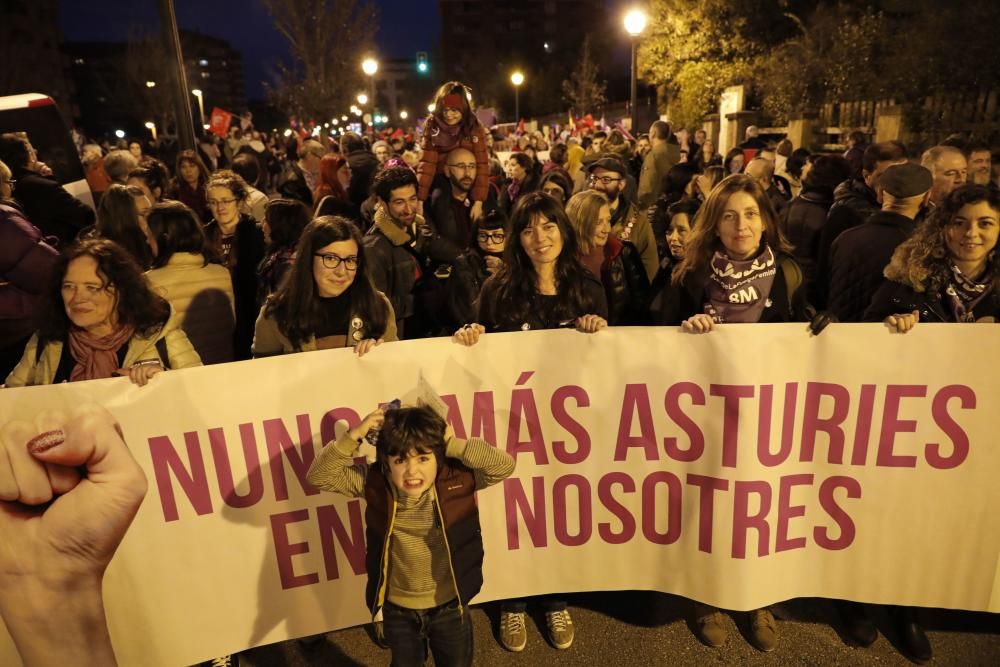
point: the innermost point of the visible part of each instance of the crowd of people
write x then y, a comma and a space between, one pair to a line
254, 247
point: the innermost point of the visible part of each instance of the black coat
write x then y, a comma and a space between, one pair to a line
292, 184
441, 240
802, 222
394, 270
530, 184
853, 203
249, 246
679, 302
494, 314
858, 258
626, 286
894, 298
49, 207
468, 273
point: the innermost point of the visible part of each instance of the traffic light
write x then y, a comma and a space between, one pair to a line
422, 66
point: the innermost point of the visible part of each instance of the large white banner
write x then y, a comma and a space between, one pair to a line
743, 467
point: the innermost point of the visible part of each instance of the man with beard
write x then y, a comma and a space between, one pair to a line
392, 261
446, 234
628, 221
980, 165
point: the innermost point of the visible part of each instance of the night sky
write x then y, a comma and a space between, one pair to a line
405, 27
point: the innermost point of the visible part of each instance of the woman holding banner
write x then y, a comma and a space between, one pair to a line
737, 267
947, 270
617, 263
327, 300
103, 320
541, 285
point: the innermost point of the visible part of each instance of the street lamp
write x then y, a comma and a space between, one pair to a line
362, 99
151, 126
403, 115
430, 108
201, 103
370, 66
517, 79
635, 24
151, 84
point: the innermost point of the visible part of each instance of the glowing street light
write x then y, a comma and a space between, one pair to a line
151, 84
201, 103
403, 115
120, 134
430, 107
151, 126
517, 78
635, 24
369, 66
362, 99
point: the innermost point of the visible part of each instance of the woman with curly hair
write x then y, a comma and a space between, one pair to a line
452, 124
102, 320
328, 300
947, 271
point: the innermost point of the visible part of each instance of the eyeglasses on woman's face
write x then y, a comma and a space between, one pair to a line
332, 261
491, 237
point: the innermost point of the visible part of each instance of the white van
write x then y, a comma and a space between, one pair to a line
37, 116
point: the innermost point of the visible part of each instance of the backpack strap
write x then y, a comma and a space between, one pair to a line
793, 276
161, 349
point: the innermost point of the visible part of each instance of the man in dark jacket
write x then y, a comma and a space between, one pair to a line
446, 234
854, 201
860, 255
46, 204
392, 260
298, 180
448, 227
363, 165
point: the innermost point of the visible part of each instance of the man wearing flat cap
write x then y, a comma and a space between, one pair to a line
859, 255
628, 221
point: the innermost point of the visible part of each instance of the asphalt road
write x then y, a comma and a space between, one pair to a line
625, 629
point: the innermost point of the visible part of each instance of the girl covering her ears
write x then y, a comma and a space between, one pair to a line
454, 125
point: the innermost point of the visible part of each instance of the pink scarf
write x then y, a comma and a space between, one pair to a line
96, 358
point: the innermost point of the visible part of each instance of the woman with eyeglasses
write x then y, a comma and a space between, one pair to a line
471, 268
238, 242
328, 300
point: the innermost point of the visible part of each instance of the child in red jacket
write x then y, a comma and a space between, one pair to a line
454, 125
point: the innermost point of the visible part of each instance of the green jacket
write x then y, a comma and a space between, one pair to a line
655, 166
269, 341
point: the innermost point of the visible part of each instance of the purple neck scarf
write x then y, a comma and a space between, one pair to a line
738, 290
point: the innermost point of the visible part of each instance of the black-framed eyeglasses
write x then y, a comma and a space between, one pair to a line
215, 203
491, 237
11, 182
332, 261
606, 180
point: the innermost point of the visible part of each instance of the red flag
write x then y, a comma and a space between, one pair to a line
220, 121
